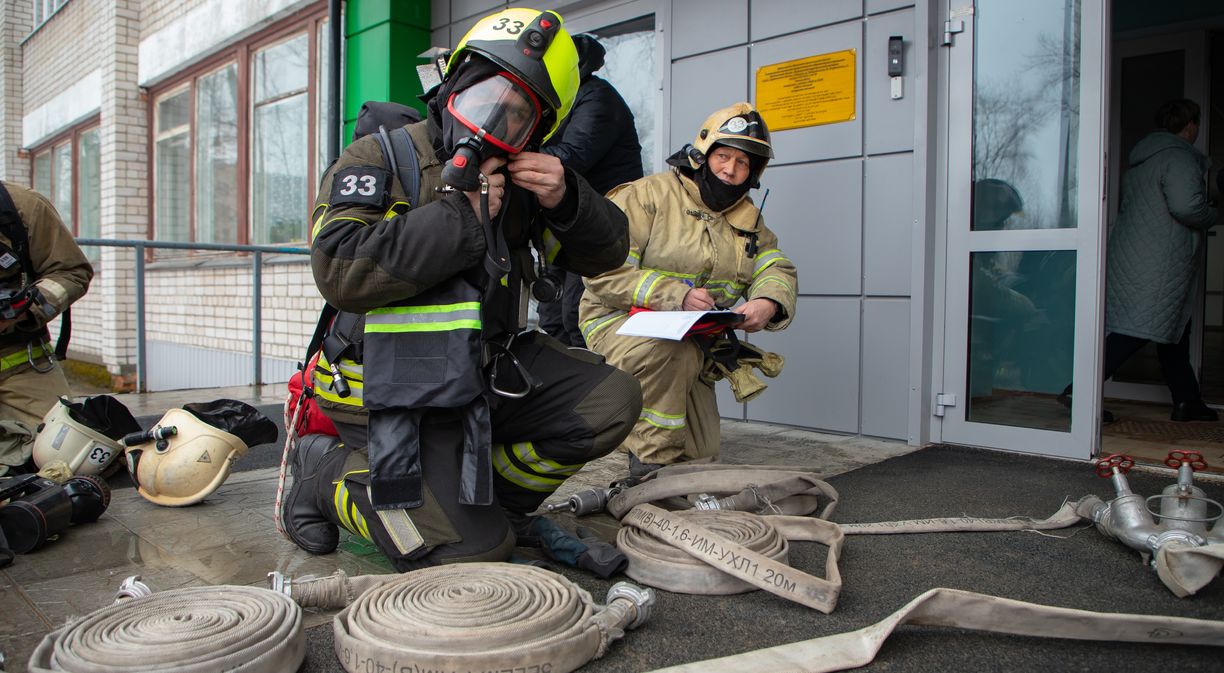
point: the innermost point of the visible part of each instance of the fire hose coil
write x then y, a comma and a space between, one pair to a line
728, 552
474, 616
193, 630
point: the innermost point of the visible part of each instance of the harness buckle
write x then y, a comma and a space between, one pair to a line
531, 382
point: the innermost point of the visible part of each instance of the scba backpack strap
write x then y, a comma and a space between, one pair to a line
14, 229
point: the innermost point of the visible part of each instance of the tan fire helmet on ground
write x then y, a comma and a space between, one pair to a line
62, 438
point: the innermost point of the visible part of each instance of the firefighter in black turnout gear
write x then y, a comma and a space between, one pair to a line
454, 425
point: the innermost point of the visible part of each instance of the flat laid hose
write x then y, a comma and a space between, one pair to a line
471, 616
192, 630
967, 610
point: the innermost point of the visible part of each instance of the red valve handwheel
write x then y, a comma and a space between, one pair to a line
1194, 459
1105, 465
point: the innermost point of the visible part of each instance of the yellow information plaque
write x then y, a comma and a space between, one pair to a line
807, 91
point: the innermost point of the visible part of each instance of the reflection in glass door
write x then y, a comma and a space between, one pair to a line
1023, 227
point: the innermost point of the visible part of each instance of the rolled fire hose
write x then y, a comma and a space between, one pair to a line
967, 610
471, 616
192, 630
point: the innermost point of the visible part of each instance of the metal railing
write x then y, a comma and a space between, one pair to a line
257, 252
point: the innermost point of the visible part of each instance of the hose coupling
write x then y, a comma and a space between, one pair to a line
643, 600
1185, 537
280, 583
132, 587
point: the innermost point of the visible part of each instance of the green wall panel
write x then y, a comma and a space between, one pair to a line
383, 38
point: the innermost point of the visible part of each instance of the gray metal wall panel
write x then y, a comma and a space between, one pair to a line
817, 212
706, 25
440, 37
439, 13
885, 383
465, 8
177, 367
701, 85
826, 141
890, 123
888, 224
818, 387
776, 17
877, 6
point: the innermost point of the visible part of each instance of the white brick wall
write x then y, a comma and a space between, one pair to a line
192, 303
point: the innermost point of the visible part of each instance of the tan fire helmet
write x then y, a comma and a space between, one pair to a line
185, 467
739, 126
62, 438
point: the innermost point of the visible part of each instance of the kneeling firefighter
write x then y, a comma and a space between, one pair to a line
462, 424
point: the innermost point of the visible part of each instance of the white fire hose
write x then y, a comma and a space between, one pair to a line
471, 616
967, 610
192, 630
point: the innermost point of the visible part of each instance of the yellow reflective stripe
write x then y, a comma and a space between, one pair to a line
641, 293
514, 474
346, 509
634, 259
662, 420
767, 259
392, 212
351, 370
772, 279
318, 223
434, 308
356, 393
425, 327
21, 357
525, 451
593, 325
552, 247
319, 227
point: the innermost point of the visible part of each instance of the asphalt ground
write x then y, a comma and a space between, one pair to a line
1074, 568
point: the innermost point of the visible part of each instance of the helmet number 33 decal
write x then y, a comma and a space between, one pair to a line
511, 27
365, 185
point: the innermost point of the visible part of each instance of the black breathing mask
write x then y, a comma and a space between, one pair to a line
496, 116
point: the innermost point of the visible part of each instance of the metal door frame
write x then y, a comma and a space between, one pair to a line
1087, 240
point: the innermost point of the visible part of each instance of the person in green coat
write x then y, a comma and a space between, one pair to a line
1155, 254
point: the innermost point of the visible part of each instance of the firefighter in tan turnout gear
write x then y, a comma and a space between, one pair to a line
454, 425
42, 271
696, 243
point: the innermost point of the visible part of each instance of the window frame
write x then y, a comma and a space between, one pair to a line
241, 54
70, 136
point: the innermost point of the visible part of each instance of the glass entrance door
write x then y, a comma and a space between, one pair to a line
1022, 303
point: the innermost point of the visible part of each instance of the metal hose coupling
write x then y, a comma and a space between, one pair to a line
131, 588
626, 595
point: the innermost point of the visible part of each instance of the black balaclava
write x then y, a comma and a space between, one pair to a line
444, 130
718, 195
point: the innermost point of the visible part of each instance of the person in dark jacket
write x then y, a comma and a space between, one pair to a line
1155, 255
599, 141
462, 424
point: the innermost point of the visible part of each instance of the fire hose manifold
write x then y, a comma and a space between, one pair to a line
192, 630
1184, 553
471, 616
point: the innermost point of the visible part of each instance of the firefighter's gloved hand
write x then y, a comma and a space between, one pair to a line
744, 383
601, 558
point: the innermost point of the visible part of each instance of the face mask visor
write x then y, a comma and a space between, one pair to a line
500, 110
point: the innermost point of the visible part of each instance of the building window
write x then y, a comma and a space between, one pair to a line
236, 139
67, 171
279, 161
45, 9
172, 161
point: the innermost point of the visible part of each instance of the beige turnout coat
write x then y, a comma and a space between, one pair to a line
676, 243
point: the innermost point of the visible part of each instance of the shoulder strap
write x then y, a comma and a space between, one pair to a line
401, 157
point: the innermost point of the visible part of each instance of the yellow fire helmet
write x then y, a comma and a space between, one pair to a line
739, 126
533, 47
62, 438
185, 465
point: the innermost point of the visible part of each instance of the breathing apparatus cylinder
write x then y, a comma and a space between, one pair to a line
40, 508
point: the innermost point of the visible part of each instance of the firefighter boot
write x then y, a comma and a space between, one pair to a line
638, 469
307, 512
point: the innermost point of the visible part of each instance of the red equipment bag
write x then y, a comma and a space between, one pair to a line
311, 421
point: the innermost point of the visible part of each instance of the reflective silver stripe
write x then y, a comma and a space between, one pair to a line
767, 259
399, 527
641, 294
593, 325
417, 315
634, 259
662, 420
761, 282
516, 475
